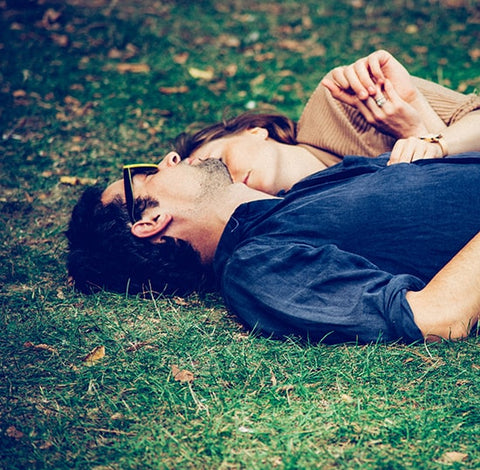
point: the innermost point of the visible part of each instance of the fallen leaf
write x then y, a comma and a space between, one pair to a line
94, 355
347, 398
264, 57
50, 17
181, 375
75, 181
292, 45
171, 90
114, 53
41, 346
202, 74
231, 70
60, 39
411, 29
454, 456
229, 41
181, 301
16, 26
181, 58
46, 445
134, 68
13, 432
19, 93
70, 180
258, 80
246, 430
474, 53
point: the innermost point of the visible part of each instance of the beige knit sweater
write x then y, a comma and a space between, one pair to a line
330, 129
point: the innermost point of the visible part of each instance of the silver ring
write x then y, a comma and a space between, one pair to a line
381, 100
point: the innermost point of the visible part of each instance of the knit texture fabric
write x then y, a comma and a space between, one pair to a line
328, 126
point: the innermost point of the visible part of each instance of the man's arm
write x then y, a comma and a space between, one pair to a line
449, 305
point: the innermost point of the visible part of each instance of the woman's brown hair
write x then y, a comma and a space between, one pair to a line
279, 128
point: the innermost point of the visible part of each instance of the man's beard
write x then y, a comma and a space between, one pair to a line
216, 174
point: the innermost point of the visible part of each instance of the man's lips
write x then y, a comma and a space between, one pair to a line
245, 180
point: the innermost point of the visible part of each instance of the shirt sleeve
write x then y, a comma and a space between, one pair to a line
323, 294
331, 125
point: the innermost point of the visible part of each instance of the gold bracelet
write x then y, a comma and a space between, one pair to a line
437, 139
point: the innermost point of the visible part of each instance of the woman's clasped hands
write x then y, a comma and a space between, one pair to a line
381, 89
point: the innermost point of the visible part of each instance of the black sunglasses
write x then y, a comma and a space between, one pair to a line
129, 171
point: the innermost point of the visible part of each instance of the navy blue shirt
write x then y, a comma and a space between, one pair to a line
333, 259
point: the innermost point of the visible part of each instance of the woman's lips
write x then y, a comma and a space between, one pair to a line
245, 180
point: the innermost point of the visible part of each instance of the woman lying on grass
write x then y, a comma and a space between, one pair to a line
368, 108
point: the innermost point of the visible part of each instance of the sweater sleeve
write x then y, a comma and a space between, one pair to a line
332, 126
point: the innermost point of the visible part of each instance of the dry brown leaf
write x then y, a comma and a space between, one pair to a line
171, 90
231, 70
474, 53
292, 45
46, 445
50, 17
19, 93
228, 40
13, 432
115, 53
134, 68
181, 58
455, 456
181, 301
60, 39
75, 181
94, 355
41, 346
264, 57
181, 375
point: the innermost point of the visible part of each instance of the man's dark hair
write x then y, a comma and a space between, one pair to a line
280, 128
103, 253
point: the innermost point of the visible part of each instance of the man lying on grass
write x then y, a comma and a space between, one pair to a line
357, 252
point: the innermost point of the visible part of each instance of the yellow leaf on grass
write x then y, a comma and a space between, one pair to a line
181, 375
203, 74
94, 355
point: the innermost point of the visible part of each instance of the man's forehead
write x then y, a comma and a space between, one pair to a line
113, 191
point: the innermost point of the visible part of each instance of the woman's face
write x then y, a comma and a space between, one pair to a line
251, 158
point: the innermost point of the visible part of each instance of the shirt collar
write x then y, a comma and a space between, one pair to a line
245, 216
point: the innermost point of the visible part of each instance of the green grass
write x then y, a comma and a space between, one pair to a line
253, 403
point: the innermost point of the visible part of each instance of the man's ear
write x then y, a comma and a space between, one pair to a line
171, 159
260, 131
147, 228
